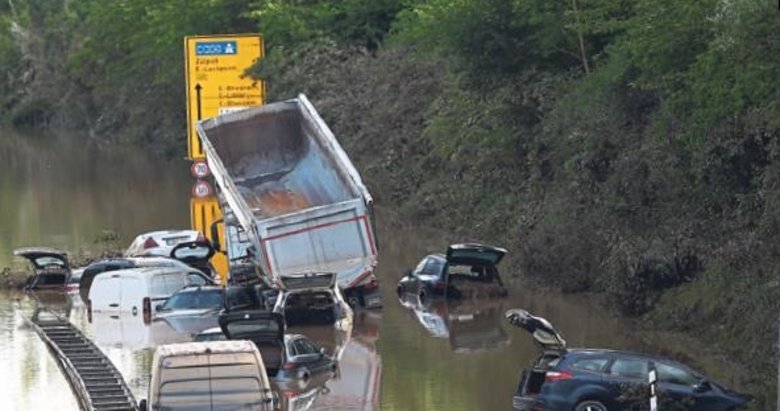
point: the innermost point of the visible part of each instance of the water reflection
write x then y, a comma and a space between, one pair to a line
470, 325
64, 192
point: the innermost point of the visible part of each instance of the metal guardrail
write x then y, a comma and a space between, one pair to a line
95, 381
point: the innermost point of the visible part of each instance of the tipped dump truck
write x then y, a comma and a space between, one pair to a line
294, 196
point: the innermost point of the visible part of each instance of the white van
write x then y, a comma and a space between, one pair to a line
214, 375
139, 290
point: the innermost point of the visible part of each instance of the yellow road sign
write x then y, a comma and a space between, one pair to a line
216, 80
204, 212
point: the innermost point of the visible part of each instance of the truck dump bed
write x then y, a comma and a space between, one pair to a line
292, 189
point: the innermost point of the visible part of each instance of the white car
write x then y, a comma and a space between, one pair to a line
160, 243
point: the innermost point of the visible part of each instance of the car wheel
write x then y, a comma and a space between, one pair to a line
591, 405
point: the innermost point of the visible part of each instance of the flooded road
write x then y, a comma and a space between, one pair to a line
65, 193
443, 356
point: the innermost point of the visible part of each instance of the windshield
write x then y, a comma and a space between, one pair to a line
194, 300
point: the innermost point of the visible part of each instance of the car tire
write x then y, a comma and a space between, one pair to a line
591, 405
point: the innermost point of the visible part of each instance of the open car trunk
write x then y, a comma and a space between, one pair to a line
51, 268
552, 344
265, 329
472, 272
195, 254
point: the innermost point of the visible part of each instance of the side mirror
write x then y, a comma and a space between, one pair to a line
142, 405
322, 350
702, 386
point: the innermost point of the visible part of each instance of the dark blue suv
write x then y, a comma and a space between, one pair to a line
565, 379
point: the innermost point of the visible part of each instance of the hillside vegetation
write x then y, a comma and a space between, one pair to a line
624, 147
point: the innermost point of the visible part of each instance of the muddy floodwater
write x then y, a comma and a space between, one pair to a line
443, 356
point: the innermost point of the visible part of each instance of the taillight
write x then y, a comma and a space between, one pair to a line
290, 365
147, 307
150, 243
553, 376
201, 237
439, 286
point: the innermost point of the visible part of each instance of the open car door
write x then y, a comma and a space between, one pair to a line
196, 254
264, 328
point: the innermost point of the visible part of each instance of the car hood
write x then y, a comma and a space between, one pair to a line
472, 253
253, 325
543, 332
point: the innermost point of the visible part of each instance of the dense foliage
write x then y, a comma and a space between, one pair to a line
627, 147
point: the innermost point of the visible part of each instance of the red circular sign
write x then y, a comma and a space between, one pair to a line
200, 169
202, 189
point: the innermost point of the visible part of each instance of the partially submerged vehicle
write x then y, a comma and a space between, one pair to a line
160, 243
51, 269
286, 356
139, 290
467, 270
113, 264
312, 298
565, 379
216, 375
470, 325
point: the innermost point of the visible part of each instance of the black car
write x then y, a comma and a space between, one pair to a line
286, 356
468, 270
51, 269
564, 379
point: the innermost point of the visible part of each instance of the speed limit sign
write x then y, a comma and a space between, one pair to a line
202, 189
199, 169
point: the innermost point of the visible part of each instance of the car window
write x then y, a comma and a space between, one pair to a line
675, 375
420, 267
302, 347
310, 348
433, 266
629, 368
590, 364
196, 279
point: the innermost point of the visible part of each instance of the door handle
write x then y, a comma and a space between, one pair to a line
115, 305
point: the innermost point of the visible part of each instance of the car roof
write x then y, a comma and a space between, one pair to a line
198, 348
143, 271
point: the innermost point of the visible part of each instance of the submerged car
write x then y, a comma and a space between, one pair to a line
467, 270
51, 269
217, 375
565, 379
312, 298
286, 356
160, 243
187, 262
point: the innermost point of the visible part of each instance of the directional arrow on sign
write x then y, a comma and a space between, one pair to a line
198, 87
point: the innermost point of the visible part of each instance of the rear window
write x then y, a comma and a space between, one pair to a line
213, 382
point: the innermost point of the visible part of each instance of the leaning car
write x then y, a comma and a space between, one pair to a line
312, 298
566, 379
467, 270
51, 269
286, 356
